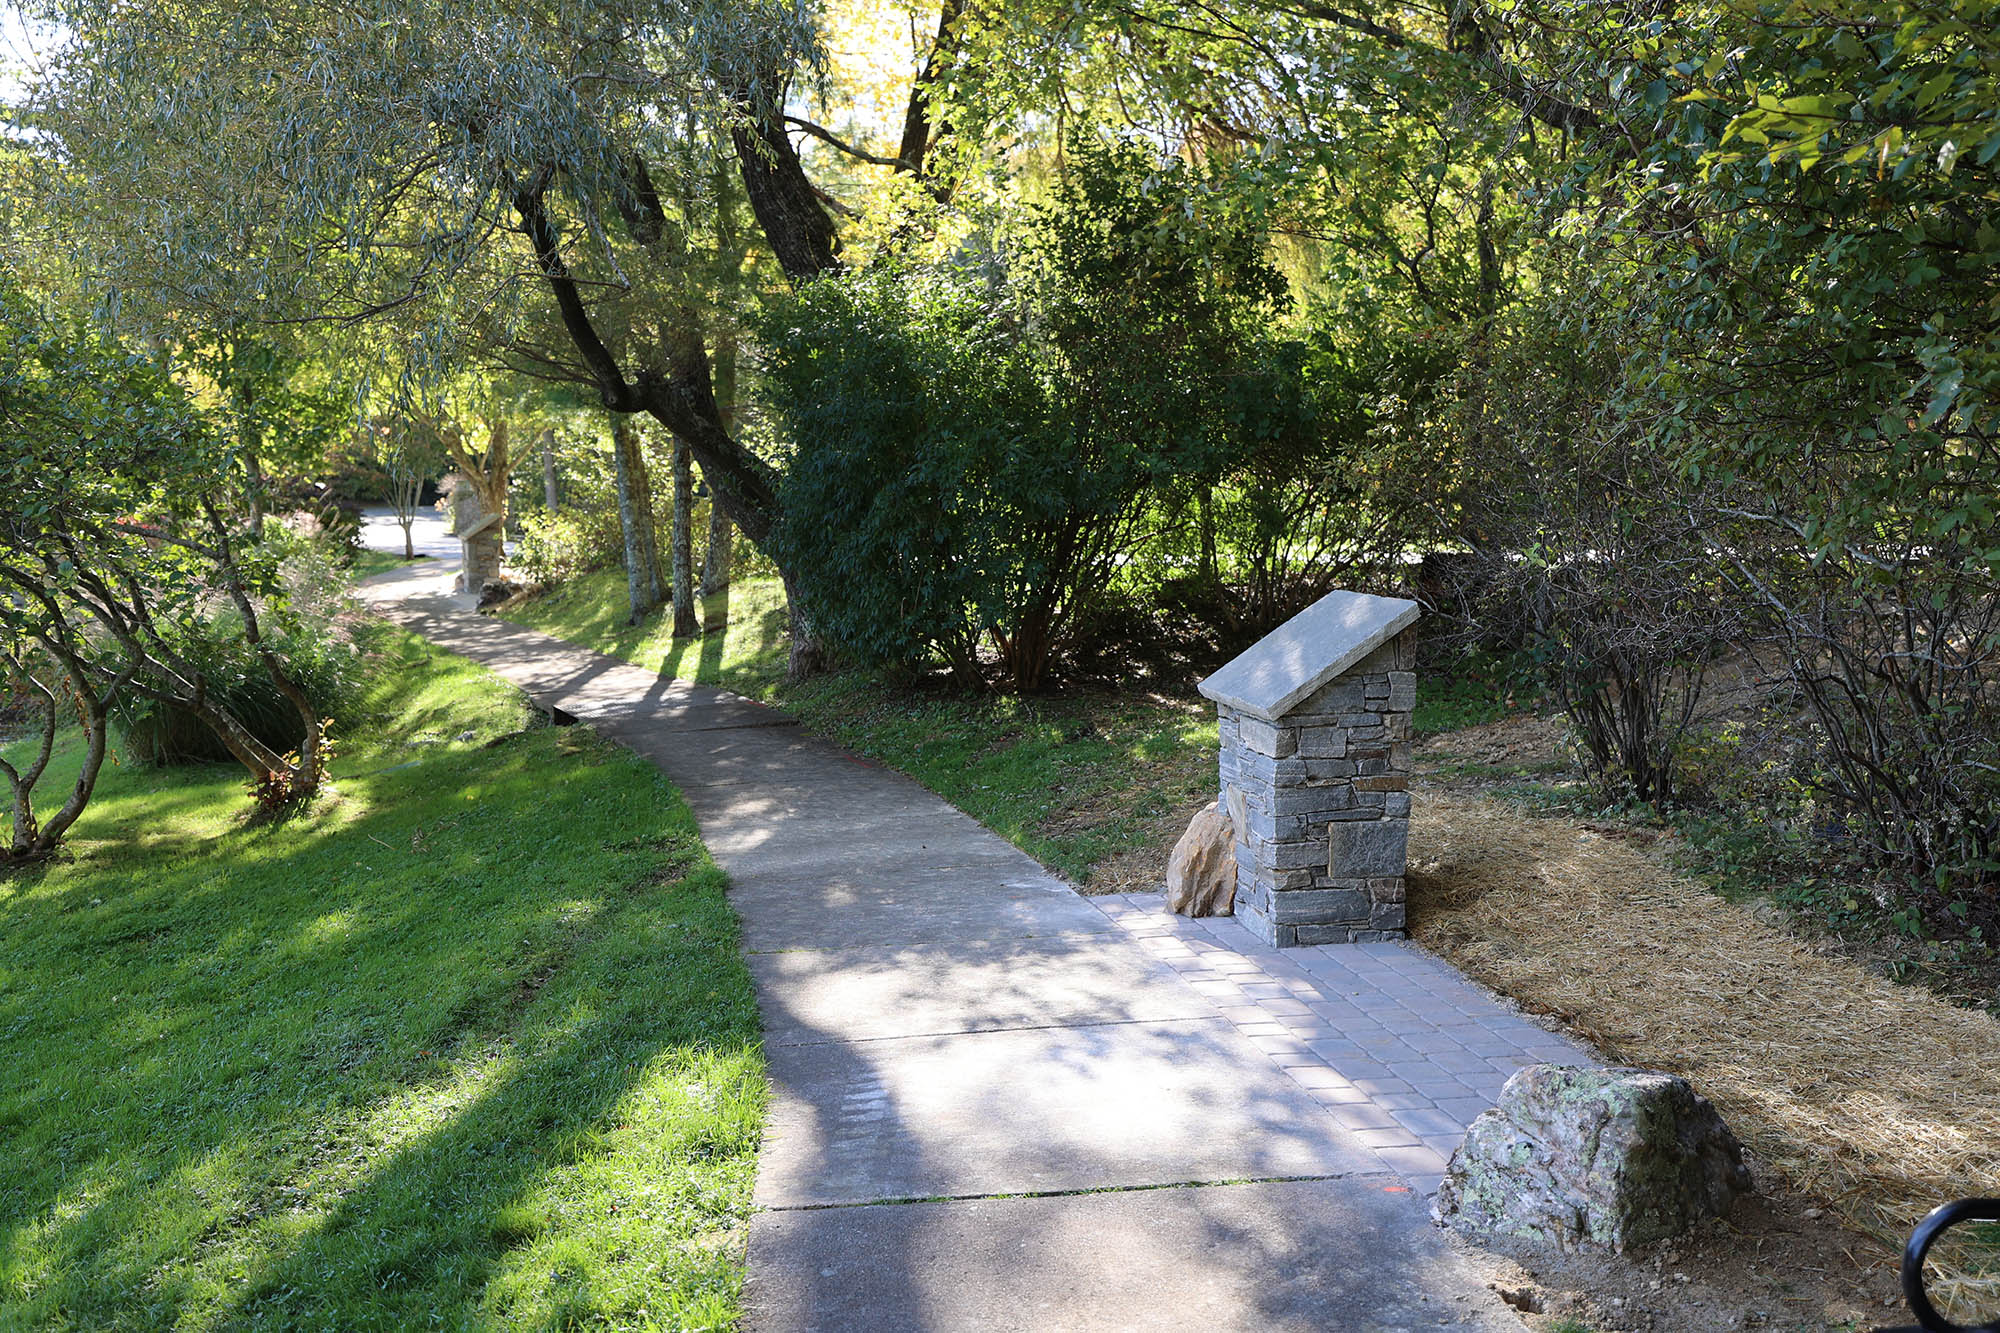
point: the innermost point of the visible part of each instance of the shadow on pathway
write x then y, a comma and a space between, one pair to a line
996, 1107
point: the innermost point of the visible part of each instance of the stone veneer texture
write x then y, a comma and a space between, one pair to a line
1321, 803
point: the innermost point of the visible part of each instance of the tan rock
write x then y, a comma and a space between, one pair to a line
1201, 874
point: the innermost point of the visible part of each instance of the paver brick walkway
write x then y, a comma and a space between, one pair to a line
1000, 1105
1397, 1044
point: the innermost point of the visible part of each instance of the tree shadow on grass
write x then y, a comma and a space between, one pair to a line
701, 659
212, 1060
467, 1219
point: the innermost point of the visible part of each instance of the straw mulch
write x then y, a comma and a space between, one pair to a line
1881, 1100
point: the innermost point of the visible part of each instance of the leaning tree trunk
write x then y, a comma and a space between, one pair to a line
677, 389
35, 839
686, 623
96, 724
26, 841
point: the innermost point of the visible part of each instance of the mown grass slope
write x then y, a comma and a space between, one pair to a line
469, 1045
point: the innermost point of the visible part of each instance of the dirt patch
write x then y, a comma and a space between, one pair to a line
1881, 1100
1521, 740
1777, 1262
1142, 869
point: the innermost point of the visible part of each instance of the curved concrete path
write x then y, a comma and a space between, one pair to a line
997, 1105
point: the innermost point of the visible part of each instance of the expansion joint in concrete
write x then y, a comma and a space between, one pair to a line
1394, 1185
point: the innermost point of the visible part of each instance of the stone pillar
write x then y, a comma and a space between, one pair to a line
1314, 770
478, 533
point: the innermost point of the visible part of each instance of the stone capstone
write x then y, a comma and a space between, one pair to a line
1614, 1157
1201, 874
1322, 642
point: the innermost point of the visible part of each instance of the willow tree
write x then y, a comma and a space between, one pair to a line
472, 173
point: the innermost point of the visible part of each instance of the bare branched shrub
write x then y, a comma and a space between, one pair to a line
1894, 645
1583, 549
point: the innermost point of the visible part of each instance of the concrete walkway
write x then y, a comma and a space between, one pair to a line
1000, 1105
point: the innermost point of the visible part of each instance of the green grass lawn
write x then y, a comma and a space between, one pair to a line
1078, 781
468, 1046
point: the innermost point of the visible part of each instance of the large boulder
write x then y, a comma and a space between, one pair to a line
1614, 1157
1201, 874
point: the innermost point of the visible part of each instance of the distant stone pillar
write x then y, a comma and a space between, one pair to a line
1315, 770
478, 533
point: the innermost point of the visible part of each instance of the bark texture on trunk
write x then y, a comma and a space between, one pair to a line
635, 518
96, 726
718, 555
67, 689
551, 483
809, 656
649, 523
787, 207
687, 623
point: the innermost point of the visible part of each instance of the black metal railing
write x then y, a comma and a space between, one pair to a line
1941, 1220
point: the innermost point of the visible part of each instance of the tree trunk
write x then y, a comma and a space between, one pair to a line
809, 655
679, 391
718, 556
303, 778
95, 724
1206, 510
649, 526
551, 485
788, 209
687, 623
632, 511
406, 487
26, 829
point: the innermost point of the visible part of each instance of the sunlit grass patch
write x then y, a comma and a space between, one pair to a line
444, 1052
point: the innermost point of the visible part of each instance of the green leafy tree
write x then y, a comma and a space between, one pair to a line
1822, 336
980, 443
424, 158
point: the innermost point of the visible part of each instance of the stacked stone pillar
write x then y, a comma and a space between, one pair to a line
478, 533
1315, 771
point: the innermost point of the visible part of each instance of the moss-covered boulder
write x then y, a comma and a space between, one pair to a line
1614, 1157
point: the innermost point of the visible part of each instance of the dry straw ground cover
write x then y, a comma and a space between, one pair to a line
1880, 1099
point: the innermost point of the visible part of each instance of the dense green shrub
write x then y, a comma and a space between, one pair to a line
980, 444
1336, 478
555, 548
1588, 552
